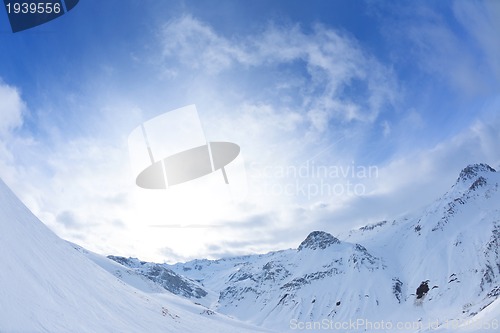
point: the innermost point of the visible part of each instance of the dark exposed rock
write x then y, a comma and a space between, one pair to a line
129, 262
397, 289
479, 182
450, 210
495, 292
422, 289
472, 171
491, 270
318, 240
373, 226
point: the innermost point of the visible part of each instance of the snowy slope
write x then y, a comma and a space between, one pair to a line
47, 286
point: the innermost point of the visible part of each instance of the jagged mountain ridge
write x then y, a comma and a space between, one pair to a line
166, 278
292, 283
374, 272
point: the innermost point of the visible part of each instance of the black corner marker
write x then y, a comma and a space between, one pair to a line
26, 14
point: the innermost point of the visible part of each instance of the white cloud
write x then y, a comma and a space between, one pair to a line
197, 45
11, 108
343, 82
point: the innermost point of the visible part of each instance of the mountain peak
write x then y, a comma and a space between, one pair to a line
472, 171
318, 240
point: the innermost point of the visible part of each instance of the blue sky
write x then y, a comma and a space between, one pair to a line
411, 89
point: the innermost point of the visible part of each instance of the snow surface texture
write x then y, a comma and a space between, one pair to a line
48, 286
371, 275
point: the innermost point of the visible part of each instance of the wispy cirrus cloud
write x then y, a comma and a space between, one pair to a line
336, 79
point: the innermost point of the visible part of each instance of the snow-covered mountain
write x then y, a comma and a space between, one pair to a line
48, 286
315, 281
435, 269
